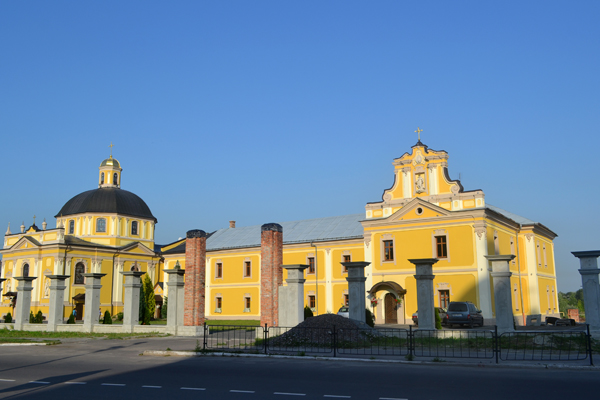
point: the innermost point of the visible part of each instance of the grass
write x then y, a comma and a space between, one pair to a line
12, 334
158, 322
237, 322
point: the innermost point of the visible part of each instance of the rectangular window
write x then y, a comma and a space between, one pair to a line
101, 225
347, 258
346, 299
247, 269
218, 270
388, 250
441, 246
311, 265
312, 301
247, 303
444, 298
134, 228
218, 304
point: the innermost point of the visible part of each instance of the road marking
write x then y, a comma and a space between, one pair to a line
113, 384
336, 396
40, 382
152, 387
241, 391
290, 394
188, 388
390, 398
7, 380
75, 383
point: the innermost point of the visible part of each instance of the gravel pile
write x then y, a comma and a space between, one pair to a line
317, 331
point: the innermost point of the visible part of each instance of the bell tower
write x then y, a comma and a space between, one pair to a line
110, 172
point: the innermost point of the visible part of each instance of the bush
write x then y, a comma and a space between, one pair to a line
308, 313
31, 317
71, 319
164, 308
144, 316
39, 318
107, 318
119, 316
369, 319
8, 318
149, 297
438, 319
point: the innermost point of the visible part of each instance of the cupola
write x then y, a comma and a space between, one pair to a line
110, 172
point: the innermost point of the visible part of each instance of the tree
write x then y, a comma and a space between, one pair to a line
149, 293
107, 318
144, 317
165, 308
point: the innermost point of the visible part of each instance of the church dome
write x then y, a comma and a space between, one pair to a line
110, 162
107, 200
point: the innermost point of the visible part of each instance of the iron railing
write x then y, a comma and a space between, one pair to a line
552, 345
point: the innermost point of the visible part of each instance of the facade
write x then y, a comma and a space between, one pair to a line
424, 214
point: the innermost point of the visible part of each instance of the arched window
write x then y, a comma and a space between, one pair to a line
101, 225
25, 270
79, 271
134, 228
71, 227
115, 178
102, 178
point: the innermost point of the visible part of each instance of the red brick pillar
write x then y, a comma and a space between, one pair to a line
195, 273
271, 272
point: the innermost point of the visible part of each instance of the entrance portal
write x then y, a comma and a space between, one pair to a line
391, 315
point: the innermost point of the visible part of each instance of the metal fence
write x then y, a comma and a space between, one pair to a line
447, 343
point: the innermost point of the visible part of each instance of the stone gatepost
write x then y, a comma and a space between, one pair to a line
589, 271
424, 276
23, 307
291, 297
356, 289
502, 292
92, 300
57, 298
176, 297
131, 301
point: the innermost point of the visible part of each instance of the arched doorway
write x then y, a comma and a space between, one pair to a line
391, 315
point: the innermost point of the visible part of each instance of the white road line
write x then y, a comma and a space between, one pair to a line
241, 391
391, 398
40, 382
152, 387
290, 394
336, 396
7, 380
189, 388
113, 384
75, 383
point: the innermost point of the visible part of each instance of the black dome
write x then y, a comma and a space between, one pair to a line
107, 200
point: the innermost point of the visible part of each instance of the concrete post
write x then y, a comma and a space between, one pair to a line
92, 300
589, 271
176, 297
57, 298
356, 289
291, 297
424, 276
502, 292
23, 301
131, 302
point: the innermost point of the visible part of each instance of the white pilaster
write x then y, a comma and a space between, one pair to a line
483, 274
532, 278
328, 279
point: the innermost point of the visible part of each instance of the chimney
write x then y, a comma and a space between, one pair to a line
232, 224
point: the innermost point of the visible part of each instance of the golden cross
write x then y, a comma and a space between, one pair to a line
418, 131
111, 146
34, 219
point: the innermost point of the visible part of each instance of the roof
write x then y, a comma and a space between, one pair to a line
110, 161
107, 200
517, 218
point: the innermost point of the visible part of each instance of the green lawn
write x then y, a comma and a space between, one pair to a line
228, 322
11, 334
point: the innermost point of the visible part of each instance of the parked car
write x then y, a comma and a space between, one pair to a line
344, 311
464, 313
442, 311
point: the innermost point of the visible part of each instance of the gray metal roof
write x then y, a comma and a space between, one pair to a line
517, 218
308, 230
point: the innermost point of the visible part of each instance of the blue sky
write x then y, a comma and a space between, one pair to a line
277, 111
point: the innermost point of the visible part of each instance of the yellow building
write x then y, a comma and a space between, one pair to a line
424, 214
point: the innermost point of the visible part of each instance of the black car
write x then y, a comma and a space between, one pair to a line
463, 313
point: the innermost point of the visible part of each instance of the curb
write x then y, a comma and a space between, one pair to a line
169, 353
23, 344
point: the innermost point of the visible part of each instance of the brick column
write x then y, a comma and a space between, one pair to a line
271, 272
23, 307
424, 276
501, 274
195, 275
57, 298
589, 271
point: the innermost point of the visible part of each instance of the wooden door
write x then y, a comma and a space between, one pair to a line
79, 308
391, 316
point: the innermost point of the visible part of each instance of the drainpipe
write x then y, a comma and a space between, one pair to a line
316, 278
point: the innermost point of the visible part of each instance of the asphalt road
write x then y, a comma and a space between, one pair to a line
101, 369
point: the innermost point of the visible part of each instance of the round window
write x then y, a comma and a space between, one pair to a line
419, 211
